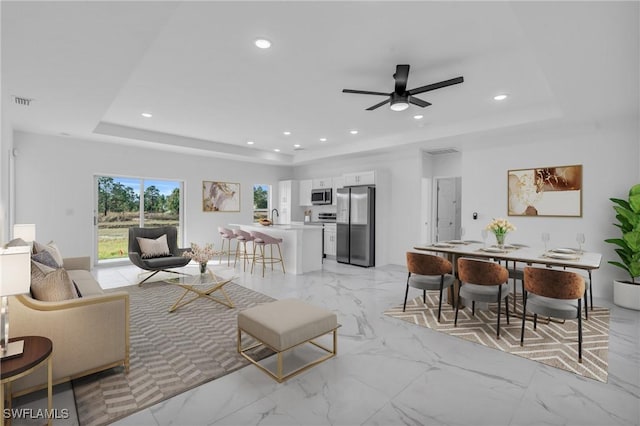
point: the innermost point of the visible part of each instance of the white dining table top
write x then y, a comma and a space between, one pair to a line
557, 256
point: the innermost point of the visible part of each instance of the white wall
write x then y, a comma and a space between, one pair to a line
54, 186
609, 157
398, 197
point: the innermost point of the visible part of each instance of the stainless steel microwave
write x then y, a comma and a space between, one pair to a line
321, 196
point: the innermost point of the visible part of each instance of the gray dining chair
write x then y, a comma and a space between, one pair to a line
553, 293
428, 272
483, 281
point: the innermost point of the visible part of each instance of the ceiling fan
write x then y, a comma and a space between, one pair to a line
400, 98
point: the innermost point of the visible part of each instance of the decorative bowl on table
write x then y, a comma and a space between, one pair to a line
265, 222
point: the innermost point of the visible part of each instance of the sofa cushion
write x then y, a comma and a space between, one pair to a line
154, 247
44, 258
53, 286
50, 247
86, 283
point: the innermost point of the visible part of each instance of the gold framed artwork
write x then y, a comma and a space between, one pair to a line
545, 191
220, 196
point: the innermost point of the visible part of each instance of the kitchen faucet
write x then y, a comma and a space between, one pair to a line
277, 214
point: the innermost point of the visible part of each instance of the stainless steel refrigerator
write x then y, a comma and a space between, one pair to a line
356, 225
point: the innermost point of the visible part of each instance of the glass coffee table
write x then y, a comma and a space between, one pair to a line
201, 285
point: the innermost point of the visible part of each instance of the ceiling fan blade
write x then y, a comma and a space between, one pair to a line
379, 105
401, 76
364, 92
435, 86
419, 102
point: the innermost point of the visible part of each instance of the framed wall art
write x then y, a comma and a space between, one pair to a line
545, 191
220, 196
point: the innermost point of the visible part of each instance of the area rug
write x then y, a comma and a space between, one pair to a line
553, 344
170, 353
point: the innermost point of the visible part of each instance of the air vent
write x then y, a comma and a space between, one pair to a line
298, 149
442, 151
20, 100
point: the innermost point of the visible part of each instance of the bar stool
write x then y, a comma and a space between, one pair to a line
261, 240
227, 235
243, 237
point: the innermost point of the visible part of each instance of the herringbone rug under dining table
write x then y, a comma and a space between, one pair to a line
553, 344
170, 353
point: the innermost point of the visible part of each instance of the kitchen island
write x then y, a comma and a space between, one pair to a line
301, 244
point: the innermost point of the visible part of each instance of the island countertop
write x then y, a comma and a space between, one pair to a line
301, 245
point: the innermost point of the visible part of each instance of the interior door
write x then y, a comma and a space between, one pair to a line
447, 208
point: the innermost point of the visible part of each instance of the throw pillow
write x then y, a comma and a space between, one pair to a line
53, 286
154, 248
50, 247
45, 258
16, 242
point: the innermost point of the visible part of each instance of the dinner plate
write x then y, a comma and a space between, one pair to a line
564, 250
442, 245
562, 256
493, 250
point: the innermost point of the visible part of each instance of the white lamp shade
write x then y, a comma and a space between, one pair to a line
15, 270
26, 231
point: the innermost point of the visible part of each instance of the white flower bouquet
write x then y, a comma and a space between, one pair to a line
200, 254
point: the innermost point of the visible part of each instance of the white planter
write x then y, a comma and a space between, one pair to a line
626, 295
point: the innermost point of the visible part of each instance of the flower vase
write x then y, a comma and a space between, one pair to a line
203, 267
500, 240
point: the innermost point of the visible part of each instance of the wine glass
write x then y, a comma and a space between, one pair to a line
545, 239
462, 233
580, 240
484, 234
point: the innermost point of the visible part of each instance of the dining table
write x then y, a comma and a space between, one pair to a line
512, 255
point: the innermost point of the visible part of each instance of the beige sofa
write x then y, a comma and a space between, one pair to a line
89, 334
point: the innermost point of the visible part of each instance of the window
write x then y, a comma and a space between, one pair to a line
261, 198
126, 202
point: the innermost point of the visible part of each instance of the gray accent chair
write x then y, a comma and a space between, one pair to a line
157, 264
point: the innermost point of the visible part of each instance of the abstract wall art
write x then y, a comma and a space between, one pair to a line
545, 191
220, 196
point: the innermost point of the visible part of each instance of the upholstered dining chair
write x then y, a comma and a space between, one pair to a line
553, 293
428, 272
169, 255
483, 281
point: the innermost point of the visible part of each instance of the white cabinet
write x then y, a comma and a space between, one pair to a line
330, 239
362, 178
322, 183
288, 193
305, 192
338, 182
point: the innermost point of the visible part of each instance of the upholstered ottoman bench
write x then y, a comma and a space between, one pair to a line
283, 325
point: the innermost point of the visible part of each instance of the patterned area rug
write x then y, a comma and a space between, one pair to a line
553, 344
170, 352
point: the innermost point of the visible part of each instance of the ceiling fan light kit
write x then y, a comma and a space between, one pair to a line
400, 98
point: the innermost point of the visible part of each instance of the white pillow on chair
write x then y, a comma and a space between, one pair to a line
154, 248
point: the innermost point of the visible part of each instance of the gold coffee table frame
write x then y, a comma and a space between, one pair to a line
203, 285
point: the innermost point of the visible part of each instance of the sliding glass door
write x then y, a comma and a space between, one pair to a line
123, 202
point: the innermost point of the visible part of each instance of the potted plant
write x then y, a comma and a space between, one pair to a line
627, 293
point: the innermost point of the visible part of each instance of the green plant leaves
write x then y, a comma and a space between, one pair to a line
628, 217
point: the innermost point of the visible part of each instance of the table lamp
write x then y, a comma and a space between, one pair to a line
26, 231
15, 278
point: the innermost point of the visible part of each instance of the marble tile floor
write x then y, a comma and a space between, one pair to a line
389, 372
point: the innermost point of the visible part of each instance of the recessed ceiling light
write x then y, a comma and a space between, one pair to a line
277, 149
147, 115
250, 142
296, 145
263, 43
501, 97
354, 132
323, 139
286, 133
418, 117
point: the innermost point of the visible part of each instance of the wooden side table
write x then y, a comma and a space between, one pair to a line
37, 350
